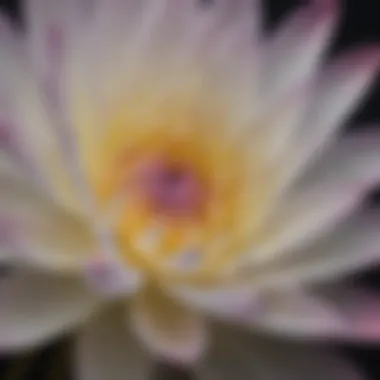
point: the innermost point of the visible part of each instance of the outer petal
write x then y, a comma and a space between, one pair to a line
228, 303
168, 329
25, 126
107, 350
335, 312
44, 234
337, 93
294, 312
238, 356
360, 308
331, 190
16, 101
51, 26
295, 50
36, 308
303, 217
352, 246
352, 164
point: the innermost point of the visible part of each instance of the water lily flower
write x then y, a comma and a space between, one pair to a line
173, 187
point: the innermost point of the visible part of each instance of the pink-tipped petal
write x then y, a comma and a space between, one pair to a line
360, 309
37, 308
293, 312
107, 349
52, 25
169, 330
296, 48
352, 246
30, 141
336, 97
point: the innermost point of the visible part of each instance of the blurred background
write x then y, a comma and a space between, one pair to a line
360, 24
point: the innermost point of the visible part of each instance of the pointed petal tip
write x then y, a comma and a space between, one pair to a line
324, 10
326, 6
367, 56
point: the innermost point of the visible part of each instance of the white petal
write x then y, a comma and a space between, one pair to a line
31, 141
351, 165
333, 312
51, 25
37, 308
168, 329
304, 216
330, 191
107, 350
44, 234
240, 356
282, 117
351, 247
296, 48
337, 93
293, 312
225, 302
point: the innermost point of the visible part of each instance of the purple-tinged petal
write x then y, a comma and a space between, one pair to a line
359, 307
30, 141
296, 313
51, 27
296, 48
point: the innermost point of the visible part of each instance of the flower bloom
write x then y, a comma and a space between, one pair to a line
166, 166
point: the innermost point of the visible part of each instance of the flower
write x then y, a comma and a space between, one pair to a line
165, 167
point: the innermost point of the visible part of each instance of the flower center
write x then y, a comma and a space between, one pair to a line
171, 189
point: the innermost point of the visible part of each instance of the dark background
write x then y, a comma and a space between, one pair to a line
360, 24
